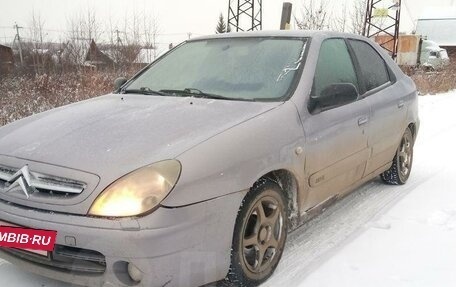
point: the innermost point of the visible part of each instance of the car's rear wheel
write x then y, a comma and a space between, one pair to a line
400, 170
259, 235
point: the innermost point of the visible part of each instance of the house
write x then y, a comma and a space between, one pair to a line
6, 59
122, 55
439, 25
85, 53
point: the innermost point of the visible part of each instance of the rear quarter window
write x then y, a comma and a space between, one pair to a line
372, 66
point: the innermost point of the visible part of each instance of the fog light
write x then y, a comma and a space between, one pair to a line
134, 272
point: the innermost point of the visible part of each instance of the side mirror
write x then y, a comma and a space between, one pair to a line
119, 82
335, 95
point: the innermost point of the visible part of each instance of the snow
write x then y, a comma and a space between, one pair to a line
378, 235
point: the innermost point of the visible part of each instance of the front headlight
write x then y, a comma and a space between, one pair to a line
137, 192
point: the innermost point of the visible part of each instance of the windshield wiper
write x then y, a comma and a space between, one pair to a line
145, 91
192, 92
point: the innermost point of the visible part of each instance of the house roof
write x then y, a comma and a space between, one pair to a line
4, 47
85, 52
440, 31
438, 24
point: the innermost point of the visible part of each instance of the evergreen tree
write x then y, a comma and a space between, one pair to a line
221, 26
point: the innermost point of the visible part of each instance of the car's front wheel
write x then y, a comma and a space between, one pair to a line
400, 170
259, 235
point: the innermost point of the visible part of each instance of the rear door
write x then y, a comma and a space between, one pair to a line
336, 140
387, 118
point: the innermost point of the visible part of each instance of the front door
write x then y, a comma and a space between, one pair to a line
336, 147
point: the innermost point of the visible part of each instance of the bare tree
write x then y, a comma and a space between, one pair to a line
132, 28
37, 48
75, 47
83, 28
358, 16
151, 29
314, 15
90, 26
131, 38
340, 22
113, 35
125, 37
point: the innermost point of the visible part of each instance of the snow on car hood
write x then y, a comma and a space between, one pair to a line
115, 134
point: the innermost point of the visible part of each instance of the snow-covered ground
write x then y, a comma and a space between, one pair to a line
378, 235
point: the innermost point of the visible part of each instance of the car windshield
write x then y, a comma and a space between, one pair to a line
231, 68
443, 54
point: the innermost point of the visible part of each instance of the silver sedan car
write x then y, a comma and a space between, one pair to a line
195, 170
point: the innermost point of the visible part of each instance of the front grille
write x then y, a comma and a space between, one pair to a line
65, 258
38, 184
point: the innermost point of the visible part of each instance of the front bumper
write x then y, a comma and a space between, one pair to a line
184, 246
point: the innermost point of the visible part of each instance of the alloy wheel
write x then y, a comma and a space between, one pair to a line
262, 234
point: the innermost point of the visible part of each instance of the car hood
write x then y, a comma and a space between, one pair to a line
115, 134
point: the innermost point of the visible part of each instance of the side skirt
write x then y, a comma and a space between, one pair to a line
318, 209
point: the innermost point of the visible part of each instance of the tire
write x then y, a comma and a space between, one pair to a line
400, 170
259, 235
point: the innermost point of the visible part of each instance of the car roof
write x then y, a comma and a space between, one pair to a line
280, 33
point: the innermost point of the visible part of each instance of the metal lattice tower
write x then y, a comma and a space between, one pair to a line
245, 15
385, 22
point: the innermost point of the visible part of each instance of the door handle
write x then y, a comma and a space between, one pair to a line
363, 121
401, 104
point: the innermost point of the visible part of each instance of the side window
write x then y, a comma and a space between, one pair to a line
434, 54
372, 66
334, 66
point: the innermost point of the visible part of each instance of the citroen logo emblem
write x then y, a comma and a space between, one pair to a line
22, 178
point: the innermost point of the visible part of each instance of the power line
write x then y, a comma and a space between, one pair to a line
69, 31
18, 40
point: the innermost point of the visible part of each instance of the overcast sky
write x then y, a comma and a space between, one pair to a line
175, 17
